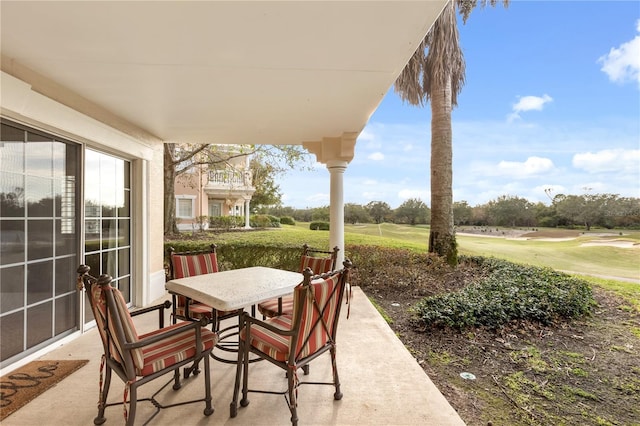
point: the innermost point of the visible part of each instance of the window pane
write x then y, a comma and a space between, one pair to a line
11, 289
125, 288
12, 331
92, 184
108, 183
124, 234
65, 239
109, 263
39, 319
11, 195
39, 282
124, 210
93, 262
12, 241
12, 149
39, 156
65, 267
39, 197
40, 239
109, 233
184, 208
66, 313
123, 262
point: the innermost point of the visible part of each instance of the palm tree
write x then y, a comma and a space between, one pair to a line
436, 73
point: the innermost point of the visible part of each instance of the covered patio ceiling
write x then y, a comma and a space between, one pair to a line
216, 72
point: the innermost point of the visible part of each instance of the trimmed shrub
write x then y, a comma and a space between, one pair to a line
287, 220
319, 226
264, 221
509, 292
225, 222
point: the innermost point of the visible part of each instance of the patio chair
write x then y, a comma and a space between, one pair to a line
188, 264
139, 359
310, 259
292, 341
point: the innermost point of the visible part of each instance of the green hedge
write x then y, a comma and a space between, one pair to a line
319, 226
509, 292
287, 220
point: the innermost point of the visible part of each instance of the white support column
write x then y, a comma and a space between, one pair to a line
336, 153
247, 223
336, 207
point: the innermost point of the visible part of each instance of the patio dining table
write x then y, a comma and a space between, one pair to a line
236, 289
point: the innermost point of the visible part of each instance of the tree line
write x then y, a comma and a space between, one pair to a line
569, 211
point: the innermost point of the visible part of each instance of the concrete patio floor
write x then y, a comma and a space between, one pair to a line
381, 382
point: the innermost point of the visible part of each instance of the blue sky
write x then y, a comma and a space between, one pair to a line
551, 101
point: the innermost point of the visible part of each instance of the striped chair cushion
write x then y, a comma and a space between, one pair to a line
272, 344
172, 350
319, 265
312, 335
194, 264
99, 306
188, 266
270, 307
198, 310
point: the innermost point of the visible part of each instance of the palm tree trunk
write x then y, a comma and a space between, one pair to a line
441, 237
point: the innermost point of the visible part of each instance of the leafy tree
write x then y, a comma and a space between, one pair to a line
267, 191
378, 210
462, 213
512, 211
436, 73
355, 213
178, 159
587, 210
412, 211
320, 214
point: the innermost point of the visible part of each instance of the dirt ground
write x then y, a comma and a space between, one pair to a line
585, 372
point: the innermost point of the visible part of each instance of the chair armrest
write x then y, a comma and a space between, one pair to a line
247, 320
196, 325
160, 308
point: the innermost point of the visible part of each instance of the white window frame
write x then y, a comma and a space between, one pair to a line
182, 198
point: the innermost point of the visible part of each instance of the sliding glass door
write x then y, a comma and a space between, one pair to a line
39, 239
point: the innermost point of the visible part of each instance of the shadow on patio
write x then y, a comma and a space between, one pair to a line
381, 382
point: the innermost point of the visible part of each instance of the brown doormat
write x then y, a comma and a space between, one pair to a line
26, 383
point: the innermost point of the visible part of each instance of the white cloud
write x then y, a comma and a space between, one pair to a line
366, 135
529, 103
376, 156
622, 64
608, 160
370, 182
422, 194
532, 166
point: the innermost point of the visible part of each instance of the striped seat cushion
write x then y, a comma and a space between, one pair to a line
319, 265
270, 343
99, 307
189, 266
270, 307
198, 310
313, 335
169, 351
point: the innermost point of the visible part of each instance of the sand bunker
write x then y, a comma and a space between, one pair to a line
611, 243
